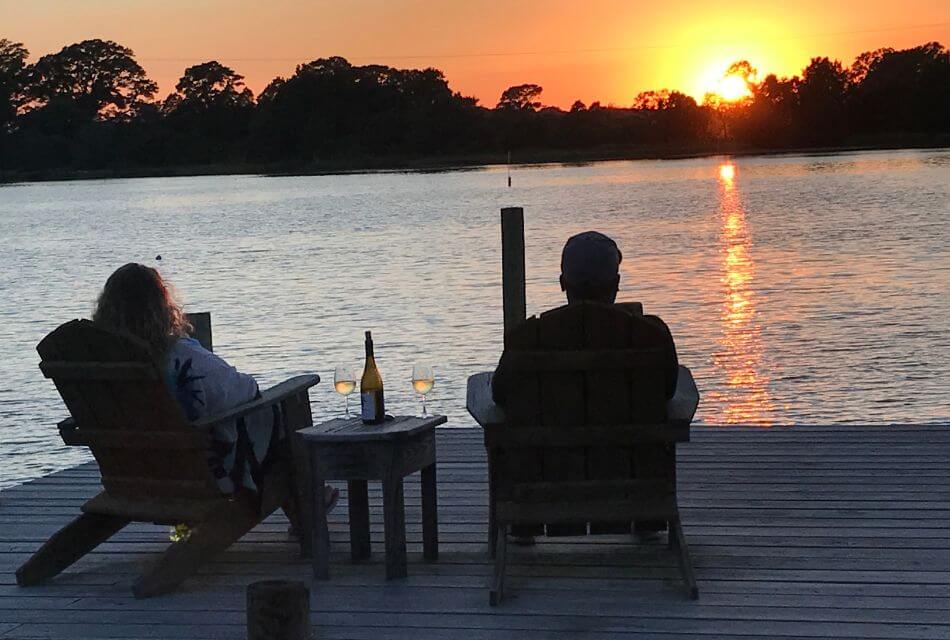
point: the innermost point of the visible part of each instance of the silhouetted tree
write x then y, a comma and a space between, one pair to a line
90, 106
522, 97
12, 63
330, 109
209, 86
744, 70
673, 117
662, 100
772, 120
863, 64
906, 90
821, 99
651, 100
96, 78
209, 114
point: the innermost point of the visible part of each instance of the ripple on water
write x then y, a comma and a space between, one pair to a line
799, 289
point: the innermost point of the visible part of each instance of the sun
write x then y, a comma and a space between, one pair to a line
733, 88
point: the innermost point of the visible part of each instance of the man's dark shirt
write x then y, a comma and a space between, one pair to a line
655, 333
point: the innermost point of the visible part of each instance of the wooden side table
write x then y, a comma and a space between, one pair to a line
347, 449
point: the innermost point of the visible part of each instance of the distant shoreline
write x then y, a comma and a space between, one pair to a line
395, 164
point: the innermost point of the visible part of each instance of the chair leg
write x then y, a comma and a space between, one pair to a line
357, 498
208, 538
68, 545
319, 531
394, 526
497, 591
493, 534
301, 492
430, 514
682, 555
492, 530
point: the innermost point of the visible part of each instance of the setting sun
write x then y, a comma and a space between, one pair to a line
732, 88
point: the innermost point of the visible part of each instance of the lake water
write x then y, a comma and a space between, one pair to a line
799, 289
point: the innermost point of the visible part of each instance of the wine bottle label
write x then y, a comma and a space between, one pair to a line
370, 407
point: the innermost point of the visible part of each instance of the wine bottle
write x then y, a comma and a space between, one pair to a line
371, 388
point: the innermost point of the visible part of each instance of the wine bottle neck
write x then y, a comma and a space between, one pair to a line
369, 345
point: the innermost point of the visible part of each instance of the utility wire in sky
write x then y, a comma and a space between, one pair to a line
546, 52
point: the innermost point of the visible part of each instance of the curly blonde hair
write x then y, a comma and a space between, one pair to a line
136, 300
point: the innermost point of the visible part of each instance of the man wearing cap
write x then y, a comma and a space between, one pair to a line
590, 272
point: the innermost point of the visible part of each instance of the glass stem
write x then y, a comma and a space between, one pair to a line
346, 403
424, 412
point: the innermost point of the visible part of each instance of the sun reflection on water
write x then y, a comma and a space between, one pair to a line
727, 172
746, 397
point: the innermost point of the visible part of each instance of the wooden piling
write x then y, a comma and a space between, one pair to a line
512, 266
278, 610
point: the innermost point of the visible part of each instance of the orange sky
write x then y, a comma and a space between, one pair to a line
605, 50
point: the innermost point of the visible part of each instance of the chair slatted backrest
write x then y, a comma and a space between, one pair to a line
577, 366
124, 410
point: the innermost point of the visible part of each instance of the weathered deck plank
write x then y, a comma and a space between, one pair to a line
807, 532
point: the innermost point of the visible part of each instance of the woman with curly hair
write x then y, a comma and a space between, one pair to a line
136, 300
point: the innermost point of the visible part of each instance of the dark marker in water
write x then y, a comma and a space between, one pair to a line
158, 257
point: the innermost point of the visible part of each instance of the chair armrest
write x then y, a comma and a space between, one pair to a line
268, 398
682, 406
69, 432
479, 402
680, 409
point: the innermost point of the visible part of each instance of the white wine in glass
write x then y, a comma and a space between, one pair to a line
422, 382
344, 382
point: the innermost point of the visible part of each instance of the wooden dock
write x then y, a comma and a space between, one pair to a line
804, 532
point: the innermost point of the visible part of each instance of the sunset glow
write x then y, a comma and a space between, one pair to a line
732, 88
603, 50
746, 399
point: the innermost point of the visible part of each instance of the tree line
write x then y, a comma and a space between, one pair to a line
92, 107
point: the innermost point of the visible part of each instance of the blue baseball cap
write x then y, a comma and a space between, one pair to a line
590, 258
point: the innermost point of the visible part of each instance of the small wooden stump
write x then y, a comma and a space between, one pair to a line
278, 610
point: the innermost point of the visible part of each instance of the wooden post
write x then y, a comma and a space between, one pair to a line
512, 267
278, 610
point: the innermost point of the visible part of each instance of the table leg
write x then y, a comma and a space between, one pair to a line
320, 535
430, 514
394, 521
359, 519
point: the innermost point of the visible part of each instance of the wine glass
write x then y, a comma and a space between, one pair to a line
422, 382
344, 382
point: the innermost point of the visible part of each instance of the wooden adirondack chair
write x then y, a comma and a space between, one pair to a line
585, 439
153, 463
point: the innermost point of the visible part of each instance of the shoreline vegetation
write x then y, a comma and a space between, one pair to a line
526, 158
91, 111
